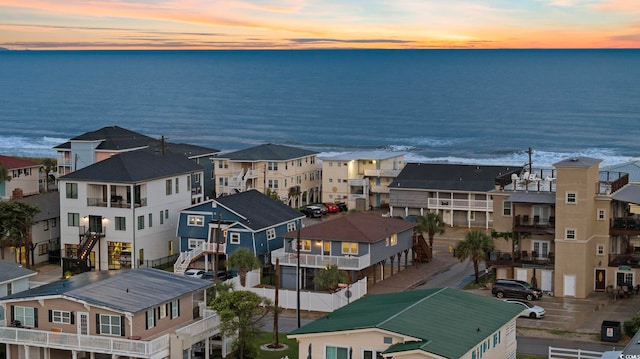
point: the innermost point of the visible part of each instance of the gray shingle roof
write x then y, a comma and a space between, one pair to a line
132, 290
268, 152
49, 204
10, 271
453, 177
447, 322
259, 210
354, 227
135, 166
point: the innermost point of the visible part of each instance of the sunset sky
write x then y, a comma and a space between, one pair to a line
301, 24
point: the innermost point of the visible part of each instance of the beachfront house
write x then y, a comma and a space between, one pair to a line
214, 229
573, 229
22, 177
290, 174
116, 313
122, 212
94, 146
13, 279
460, 193
430, 323
360, 179
361, 244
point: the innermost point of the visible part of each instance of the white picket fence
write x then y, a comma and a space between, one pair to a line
562, 353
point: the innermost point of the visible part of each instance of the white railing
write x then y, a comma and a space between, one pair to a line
324, 302
186, 258
92, 343
251, 174
363, 182
202, 329
380, 189
321, 261
382, 173
562, 353
460, 204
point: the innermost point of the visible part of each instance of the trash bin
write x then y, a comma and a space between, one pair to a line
610, 331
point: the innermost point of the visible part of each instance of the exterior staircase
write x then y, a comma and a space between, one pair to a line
186, 258
89, 240
421, 250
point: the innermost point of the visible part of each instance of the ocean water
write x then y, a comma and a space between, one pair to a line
463, 106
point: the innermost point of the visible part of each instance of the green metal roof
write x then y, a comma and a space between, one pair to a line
439, 317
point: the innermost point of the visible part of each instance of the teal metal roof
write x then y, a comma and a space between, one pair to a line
438, 317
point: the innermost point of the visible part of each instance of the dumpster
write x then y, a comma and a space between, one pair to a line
610, 331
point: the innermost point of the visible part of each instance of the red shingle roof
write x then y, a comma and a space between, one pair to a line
14, 162
355, 227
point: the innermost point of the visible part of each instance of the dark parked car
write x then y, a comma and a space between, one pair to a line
312, 211
222, 275
515, 288
342, 207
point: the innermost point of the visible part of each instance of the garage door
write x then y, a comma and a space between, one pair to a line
569, 285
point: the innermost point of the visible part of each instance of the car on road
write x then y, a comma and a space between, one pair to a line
312, 211
528, 310
195, 273
332, 207
222, 275
504, 288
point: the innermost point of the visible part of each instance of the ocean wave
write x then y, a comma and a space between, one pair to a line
29, 147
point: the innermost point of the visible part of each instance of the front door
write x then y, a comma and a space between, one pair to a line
83, 323
601, 280
569, 285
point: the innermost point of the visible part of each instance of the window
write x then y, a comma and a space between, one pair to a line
195, 243
121, 223
140, 222
332, 352
177, 185
271, 233
168, 187
189, 180
54, 222
161, 217
506, 209
571, 198
59, 316
175, 308
541, 248
151, 318
196, 177
195, 221
291, 226
27, 316
72, 190
273, 184
9, 288
272, 166
150, 220
570, 233
73, 219
234, 238
372, 354
223, 164
600, 249
43, 249
349, 248
163, 309
110, 324
601, 215
223, 181
45, 225
166, 214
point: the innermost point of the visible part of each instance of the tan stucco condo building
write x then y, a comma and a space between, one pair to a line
573, 228
289, 173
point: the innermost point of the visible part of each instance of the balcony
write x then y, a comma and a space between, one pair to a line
460, 204
380, 189
382, 173
629, 260
627, 226
522, 259
321, 261
362, 182
155, 348
534, 225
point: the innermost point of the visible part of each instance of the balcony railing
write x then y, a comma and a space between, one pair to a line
155, 348
321, 261
379, 189
535, 224
627, 226
359, 182
520, 259
460, 204
631, 260
382, 173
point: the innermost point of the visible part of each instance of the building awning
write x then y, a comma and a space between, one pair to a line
532, 197
629, 193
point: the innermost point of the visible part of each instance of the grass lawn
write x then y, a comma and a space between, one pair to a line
267, 338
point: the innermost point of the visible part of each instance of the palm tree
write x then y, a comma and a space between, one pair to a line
475, 246
49, 165
329, 277
244, 260
432, 223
